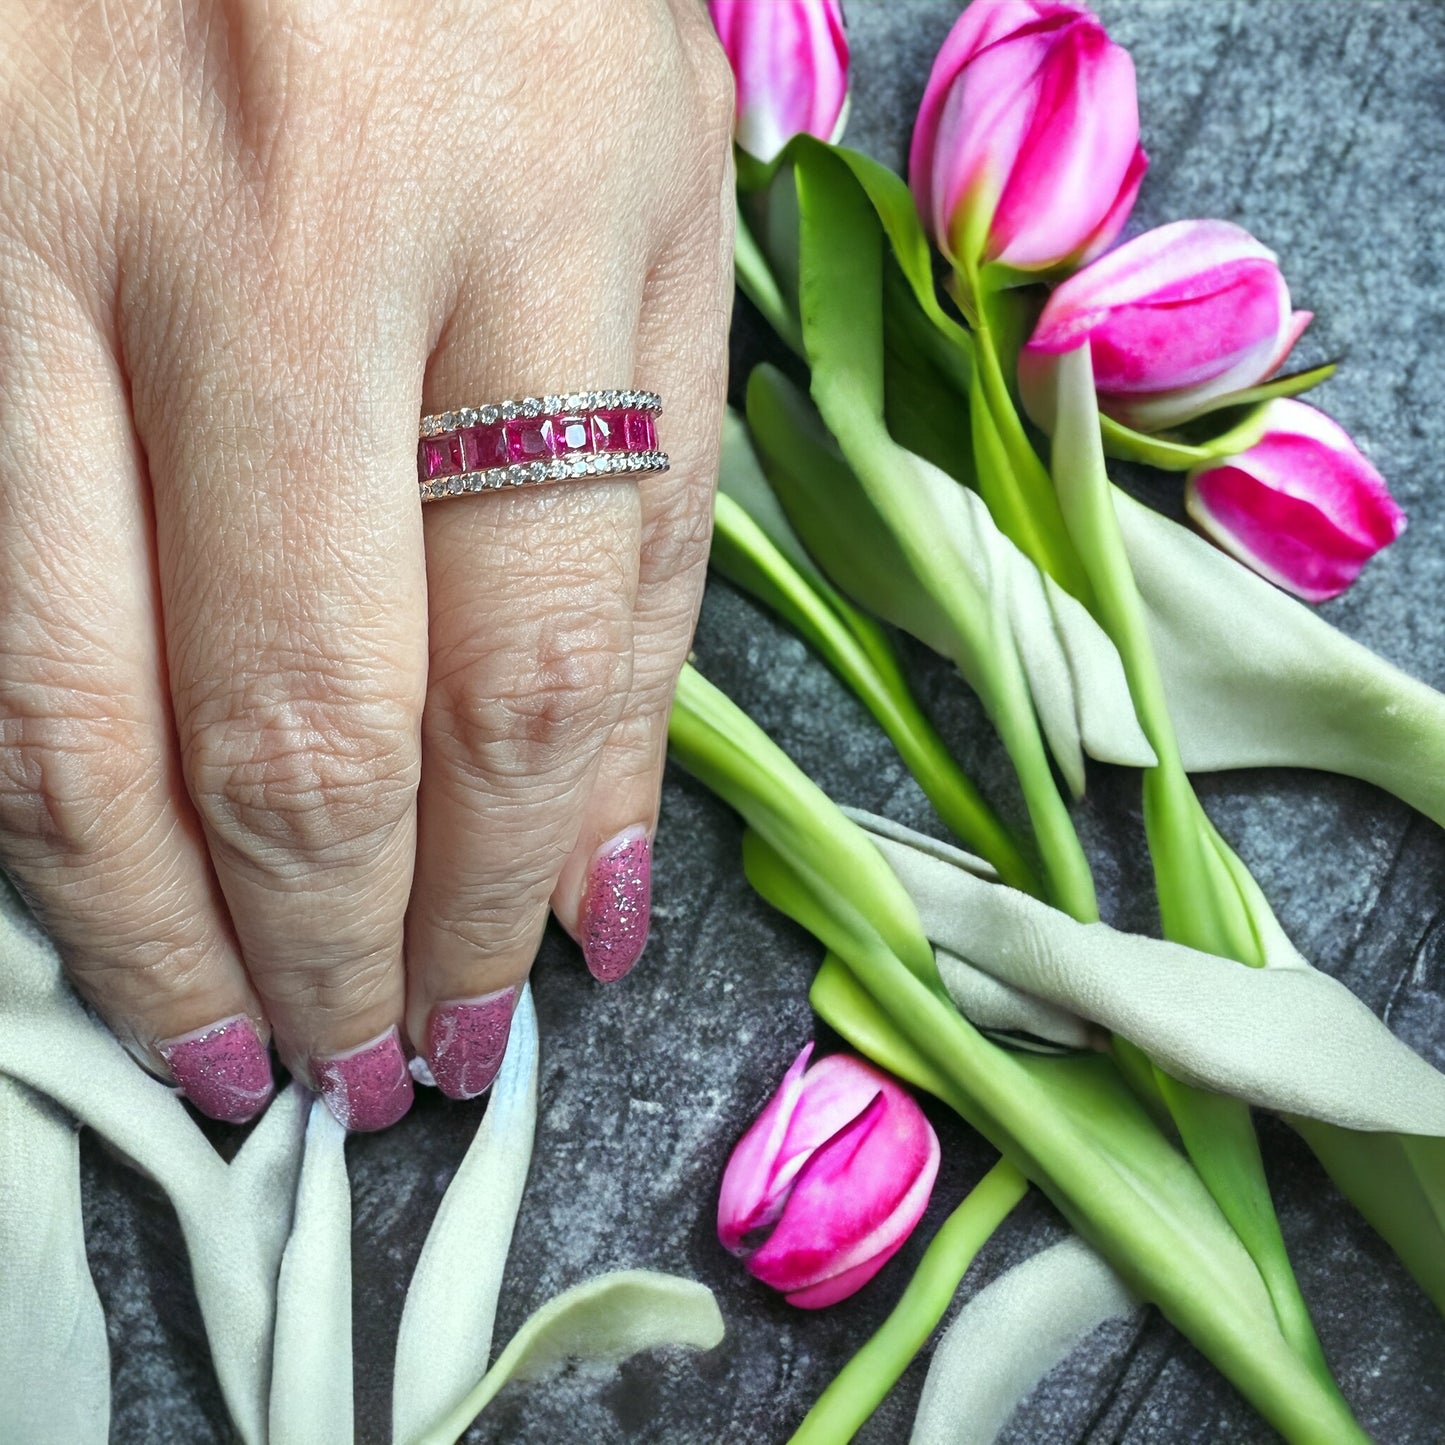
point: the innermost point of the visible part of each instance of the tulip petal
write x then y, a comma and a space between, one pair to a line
981, 100
983, 124
749, 1198
1082, 139
1290, 332
827, 1206
839, 1286
856, 1200
1177, 262
790, 62
836, 1090
1178, 320
1118, 213
1303, 506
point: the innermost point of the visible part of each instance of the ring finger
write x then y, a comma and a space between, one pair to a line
531, 593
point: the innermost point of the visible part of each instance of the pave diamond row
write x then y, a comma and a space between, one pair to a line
536, 406
532, 473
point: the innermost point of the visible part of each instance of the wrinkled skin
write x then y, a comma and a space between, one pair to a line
274, 739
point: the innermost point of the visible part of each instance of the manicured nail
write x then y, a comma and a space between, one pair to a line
223, 1069
368, 1087
616, 903
466, 1040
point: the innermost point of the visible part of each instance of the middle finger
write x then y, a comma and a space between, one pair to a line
294, 600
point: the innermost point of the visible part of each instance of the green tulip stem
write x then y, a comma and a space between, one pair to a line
858, 650
841, 254
1012, 479
1206, 898
1003, 688
859, 1388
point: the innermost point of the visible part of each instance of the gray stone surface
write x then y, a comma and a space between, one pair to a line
1321, 127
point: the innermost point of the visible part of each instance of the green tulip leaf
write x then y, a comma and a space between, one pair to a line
1295, 384
755, 547
54, 1355
1172, 455
607, 1319
1009, 1335
1251, 1033
1256, 679
1398, 1183
311, 1367
1232, 424
938, 567
445, 1338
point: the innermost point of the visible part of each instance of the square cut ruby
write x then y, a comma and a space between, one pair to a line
641, 431
608, 433
572, 434
440, 456
530, 438
484, 447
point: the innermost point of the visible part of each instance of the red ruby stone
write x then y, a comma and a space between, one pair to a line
572, 434
530, 438
608, 432
483, 447
641, 431
439, 456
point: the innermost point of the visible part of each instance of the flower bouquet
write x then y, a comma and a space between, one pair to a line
971, 352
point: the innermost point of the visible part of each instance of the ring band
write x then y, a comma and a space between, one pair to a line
538, 439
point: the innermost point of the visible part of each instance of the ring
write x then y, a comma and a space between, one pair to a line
538, 439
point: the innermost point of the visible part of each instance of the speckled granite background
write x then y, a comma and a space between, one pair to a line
1321, 127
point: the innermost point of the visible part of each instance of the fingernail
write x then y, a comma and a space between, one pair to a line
616, 903
466, 1040
368, 1087
223, 1069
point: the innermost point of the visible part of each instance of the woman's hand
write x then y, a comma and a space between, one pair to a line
279, 752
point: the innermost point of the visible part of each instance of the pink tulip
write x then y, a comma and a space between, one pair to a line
1026, 149
1302, 507
790, 61
830, 1180
1177, 319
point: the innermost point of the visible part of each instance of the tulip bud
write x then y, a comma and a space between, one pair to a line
1026, 149
830, 1180
790, 61
1302, 507
1178, 319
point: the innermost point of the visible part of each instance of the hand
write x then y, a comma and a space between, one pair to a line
282, 754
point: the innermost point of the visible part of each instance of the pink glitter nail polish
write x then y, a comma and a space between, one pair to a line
616, 904
368, 1087
466, 1040
223, 1069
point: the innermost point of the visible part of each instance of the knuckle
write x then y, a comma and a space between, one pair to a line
283, 784
134, 976
714, 90
493, 924
526, 711
333, 989
678, 532
68, 769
